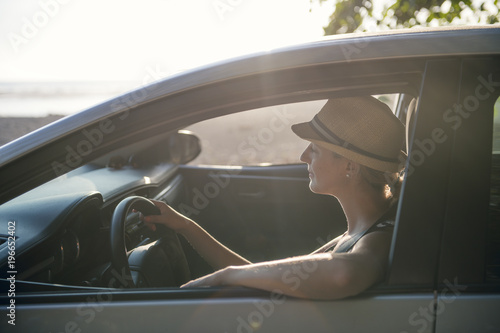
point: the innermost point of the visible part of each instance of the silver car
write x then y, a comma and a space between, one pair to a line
69, 238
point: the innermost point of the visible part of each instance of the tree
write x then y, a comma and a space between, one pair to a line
360, 15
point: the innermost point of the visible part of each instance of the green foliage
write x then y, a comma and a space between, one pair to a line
347, 16
357, 15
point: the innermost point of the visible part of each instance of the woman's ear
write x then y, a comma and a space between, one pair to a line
352, 167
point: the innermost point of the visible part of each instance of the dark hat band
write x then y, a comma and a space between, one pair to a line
331, 137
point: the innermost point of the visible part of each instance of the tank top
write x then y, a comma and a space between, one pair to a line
385, 223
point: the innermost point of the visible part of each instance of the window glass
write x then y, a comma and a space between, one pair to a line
258, 137
493, 234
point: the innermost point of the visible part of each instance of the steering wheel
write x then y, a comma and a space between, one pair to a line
159, 264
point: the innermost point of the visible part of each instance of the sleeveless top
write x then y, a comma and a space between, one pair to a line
385, 223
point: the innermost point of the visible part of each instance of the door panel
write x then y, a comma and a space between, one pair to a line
457, 312
159, 312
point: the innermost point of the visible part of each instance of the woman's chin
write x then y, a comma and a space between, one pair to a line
313, 187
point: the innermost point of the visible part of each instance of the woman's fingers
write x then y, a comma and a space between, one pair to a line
160, 204
150, 225
154, 219
200, 282
168, 217
218, 278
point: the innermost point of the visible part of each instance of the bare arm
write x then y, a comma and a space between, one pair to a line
216, 254
317, 276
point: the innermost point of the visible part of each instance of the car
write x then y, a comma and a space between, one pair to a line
76, 257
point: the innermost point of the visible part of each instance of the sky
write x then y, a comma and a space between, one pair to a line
77, 40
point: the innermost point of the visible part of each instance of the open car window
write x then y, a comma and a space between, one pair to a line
259, 137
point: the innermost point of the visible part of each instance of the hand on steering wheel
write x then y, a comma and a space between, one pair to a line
167, 216
161, 263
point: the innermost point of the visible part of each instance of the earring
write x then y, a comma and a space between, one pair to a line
348, 175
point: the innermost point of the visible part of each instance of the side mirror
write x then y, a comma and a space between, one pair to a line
183, 147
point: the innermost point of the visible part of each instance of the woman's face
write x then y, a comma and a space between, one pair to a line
326, 171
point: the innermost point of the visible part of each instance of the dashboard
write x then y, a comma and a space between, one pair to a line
63, 227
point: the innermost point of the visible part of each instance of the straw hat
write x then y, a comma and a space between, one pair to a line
361, 129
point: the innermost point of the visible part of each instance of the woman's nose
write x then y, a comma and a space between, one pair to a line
304, 157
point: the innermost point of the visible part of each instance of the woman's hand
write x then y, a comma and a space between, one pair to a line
220, 278
168, 217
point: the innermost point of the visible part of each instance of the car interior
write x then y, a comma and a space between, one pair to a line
263, 211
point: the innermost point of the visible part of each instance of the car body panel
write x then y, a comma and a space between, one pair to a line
247, 314
471, 312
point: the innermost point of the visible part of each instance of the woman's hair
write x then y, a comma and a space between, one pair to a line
388, 183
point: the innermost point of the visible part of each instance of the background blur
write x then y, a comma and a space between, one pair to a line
57, 57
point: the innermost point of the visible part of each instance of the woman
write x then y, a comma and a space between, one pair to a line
354, 155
